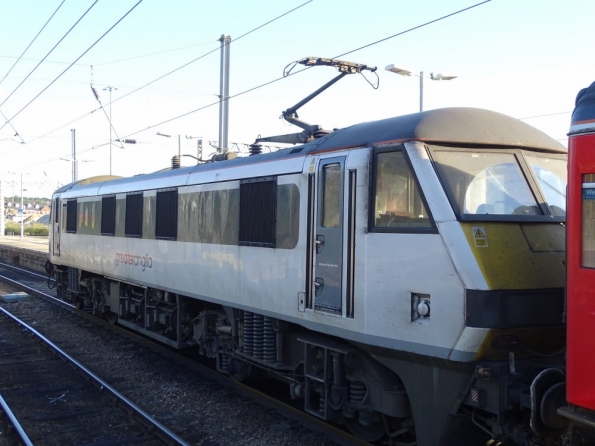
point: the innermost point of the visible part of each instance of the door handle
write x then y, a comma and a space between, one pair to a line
318, 285
319, 243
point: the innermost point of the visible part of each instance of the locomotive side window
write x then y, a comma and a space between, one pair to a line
166, 224
209, 216
55, 210
108, 215
288, 216
134, 215
331, 200
257, 212
71, 214
398, 202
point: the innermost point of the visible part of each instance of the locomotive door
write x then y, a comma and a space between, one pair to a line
328, 236
56, 227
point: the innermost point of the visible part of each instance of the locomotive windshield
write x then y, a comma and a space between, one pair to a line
484, 183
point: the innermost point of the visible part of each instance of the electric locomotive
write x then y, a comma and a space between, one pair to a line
581, 272
405, 277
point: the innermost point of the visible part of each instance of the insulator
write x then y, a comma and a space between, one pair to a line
248, 333
175, 162
258, 336
269, 340
357, 391
255, 149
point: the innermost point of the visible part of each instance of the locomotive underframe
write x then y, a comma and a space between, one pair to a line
336, 381
356, 385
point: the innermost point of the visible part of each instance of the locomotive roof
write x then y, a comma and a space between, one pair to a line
457, 125
467, 127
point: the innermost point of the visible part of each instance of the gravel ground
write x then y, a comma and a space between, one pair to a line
199, 410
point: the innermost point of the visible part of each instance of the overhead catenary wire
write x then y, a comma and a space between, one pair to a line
152, 54
15, 130
268, 82
76, 60
34, 38
106, 116
307, 68
49, 52
547, 115
173, 71
415, 27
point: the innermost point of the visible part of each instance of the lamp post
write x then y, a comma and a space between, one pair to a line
22, 209
435, 77
2, 225
109, 88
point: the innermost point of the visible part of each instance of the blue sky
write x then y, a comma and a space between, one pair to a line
527, 59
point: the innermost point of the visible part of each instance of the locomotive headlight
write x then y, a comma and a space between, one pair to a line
420, 308
423, 308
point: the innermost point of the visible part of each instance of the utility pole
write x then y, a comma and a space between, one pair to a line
22, 209
224, 93
109, 88
74, 161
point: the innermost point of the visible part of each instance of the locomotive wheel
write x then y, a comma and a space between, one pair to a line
112, 317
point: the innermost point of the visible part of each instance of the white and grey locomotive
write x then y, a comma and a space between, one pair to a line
405, 277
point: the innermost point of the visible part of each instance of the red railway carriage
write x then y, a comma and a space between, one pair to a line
581, 261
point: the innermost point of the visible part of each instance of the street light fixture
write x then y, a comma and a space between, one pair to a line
109, 88
433, 76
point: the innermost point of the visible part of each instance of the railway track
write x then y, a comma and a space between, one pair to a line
33, 284
54, 399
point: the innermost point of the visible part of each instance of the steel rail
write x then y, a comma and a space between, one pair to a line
158, 429
23, 270
14, 423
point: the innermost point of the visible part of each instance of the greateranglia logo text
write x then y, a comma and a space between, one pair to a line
143, 262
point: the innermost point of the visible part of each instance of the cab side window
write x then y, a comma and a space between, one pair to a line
397, 200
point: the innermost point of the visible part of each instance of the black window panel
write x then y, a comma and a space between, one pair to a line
166, 224
108, 215
56, 210
134, 215
257, 212
71, 215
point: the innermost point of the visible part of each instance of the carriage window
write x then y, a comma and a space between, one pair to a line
398, 201
166, 224
482, 183
108, 215
588, 222
257, 212
71, 211
134, 215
